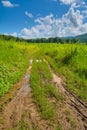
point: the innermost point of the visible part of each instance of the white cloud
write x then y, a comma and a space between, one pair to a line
74, 18
14, 34
6, 33
46, 20
70, 24
30, 15
42, 29
74, 3
68, 1
84, 11
33, 32
46, 27
7, 3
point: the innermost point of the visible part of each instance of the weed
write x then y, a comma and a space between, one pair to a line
59, 127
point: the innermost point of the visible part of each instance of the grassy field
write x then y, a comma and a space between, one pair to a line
14, 60
67, 60
43, 89
46, 105
70, 61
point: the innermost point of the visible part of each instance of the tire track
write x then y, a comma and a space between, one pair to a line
13, 110
71, 99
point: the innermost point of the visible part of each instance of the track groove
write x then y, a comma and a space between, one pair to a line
71, 99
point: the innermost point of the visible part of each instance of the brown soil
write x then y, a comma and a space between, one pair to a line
72, 112
13, 109
18, 110
76, 107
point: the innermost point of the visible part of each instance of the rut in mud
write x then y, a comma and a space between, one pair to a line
13, 110
78, 107
72, 102
22, 112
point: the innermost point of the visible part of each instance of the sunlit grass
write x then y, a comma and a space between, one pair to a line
39, 92
14, 60
67, 60
70, 61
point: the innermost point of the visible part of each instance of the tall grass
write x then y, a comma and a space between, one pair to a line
71, 62
39, 92
14, 60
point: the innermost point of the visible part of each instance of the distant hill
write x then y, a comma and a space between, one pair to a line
82, 38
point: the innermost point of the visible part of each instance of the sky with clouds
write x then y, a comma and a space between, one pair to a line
43, 18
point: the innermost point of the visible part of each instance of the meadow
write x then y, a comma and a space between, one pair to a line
70, 62
14, 60
67, 60
48, 104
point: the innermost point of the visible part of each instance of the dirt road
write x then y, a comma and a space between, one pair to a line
21, 112
13, 109
72, 102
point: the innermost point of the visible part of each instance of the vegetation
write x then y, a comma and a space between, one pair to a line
68, 61
62, 40
43, 89
82, 38
41, 40
14, 60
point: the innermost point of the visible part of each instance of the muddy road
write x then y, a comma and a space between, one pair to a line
76, 106
21, 112
13, 110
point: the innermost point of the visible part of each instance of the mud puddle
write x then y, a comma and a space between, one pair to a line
13, 109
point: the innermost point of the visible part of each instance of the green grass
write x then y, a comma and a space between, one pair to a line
14, 60
67, 60
39, 92
59, 127
43, 89
70, 118
70, 61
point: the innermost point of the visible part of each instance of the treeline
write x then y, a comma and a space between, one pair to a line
52, 40
40, 40
8, 37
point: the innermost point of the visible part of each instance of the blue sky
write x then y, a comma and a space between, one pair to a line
43, 18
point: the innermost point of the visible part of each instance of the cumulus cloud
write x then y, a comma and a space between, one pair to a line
74, 3
74, 18
46, 20
14, 34
42, 29
84, 12
70, 24
29, 32
6, 33
68, 1
30, 15
7, 3
46, 27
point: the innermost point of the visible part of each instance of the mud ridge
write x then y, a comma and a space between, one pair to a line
13, 110
71, 99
